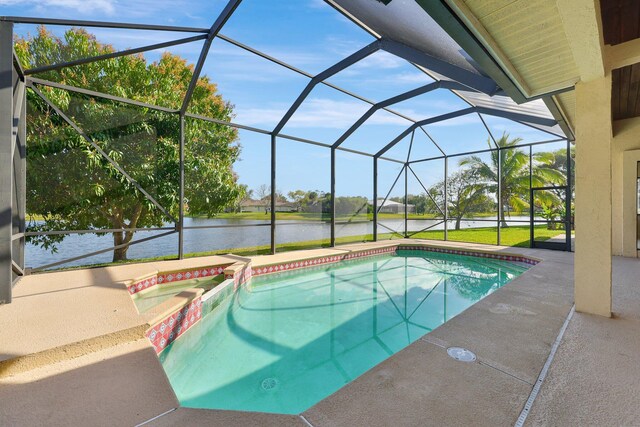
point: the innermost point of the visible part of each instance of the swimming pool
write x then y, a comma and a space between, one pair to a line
285, 341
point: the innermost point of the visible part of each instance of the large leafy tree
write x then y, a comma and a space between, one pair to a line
72, 186
514, 178
466, 194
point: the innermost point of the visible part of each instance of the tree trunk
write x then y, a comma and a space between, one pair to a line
458, 223
124, 237
120, 238
119, 254
503, 221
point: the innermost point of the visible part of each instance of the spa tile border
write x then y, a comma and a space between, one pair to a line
177, 276
173, 326
240, 273
311, 262
137, 285
502, 257
316, 267
158, 278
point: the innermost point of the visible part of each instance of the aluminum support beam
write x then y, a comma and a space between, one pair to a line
512, 115
375, 199
18, 65
93, 93
394, 100
406, 201
273, 194
446, 198
490, 111
6, 160
180, 224
411, 128
306, 74
113, 55
334, 69
213, 31
425, 189
101, 251
499, 195
20, 171
333, 197
468, 78
531, 223
433, 141
100, 24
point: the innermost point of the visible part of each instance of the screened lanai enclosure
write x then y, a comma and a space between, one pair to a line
311, 126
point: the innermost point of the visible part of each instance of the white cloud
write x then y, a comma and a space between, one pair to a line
379, 60
317, 113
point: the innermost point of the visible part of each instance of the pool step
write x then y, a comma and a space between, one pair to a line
74, 350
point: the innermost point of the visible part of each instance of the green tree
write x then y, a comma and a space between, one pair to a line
72, 186
514, 179
298, 197
419, 201
465, 194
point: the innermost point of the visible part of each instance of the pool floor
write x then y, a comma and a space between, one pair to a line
285, 341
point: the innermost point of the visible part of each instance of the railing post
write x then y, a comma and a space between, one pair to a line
333, 197
446, 200
375, 199
531, 207
273, 193
7, 75
500, 207
180, 224
406, 200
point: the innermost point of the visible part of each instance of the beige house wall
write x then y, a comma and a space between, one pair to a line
594, 135
625, 155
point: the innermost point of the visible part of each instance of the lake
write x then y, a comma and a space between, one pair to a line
237, 234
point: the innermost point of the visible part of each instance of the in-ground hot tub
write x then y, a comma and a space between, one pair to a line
284, 341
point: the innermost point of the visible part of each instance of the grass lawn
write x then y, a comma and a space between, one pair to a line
510, 236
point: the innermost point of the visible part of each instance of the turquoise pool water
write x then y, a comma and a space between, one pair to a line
288, 340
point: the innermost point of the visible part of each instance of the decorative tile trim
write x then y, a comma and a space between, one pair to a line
316, 267
239, 272
503, 257
136, 285
294, 265
170, 328
177, 276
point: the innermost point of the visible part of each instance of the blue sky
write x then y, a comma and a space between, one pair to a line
309, 35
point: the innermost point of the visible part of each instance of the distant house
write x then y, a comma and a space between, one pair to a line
286, 207
389, 206
265, 206
251, 205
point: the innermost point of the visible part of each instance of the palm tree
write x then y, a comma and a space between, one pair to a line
514, 179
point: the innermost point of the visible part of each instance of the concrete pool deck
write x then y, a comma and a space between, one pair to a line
71, 354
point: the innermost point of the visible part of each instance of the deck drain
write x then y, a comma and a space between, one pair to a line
461, 354
269, 384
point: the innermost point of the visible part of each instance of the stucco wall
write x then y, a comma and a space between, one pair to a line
625, 153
